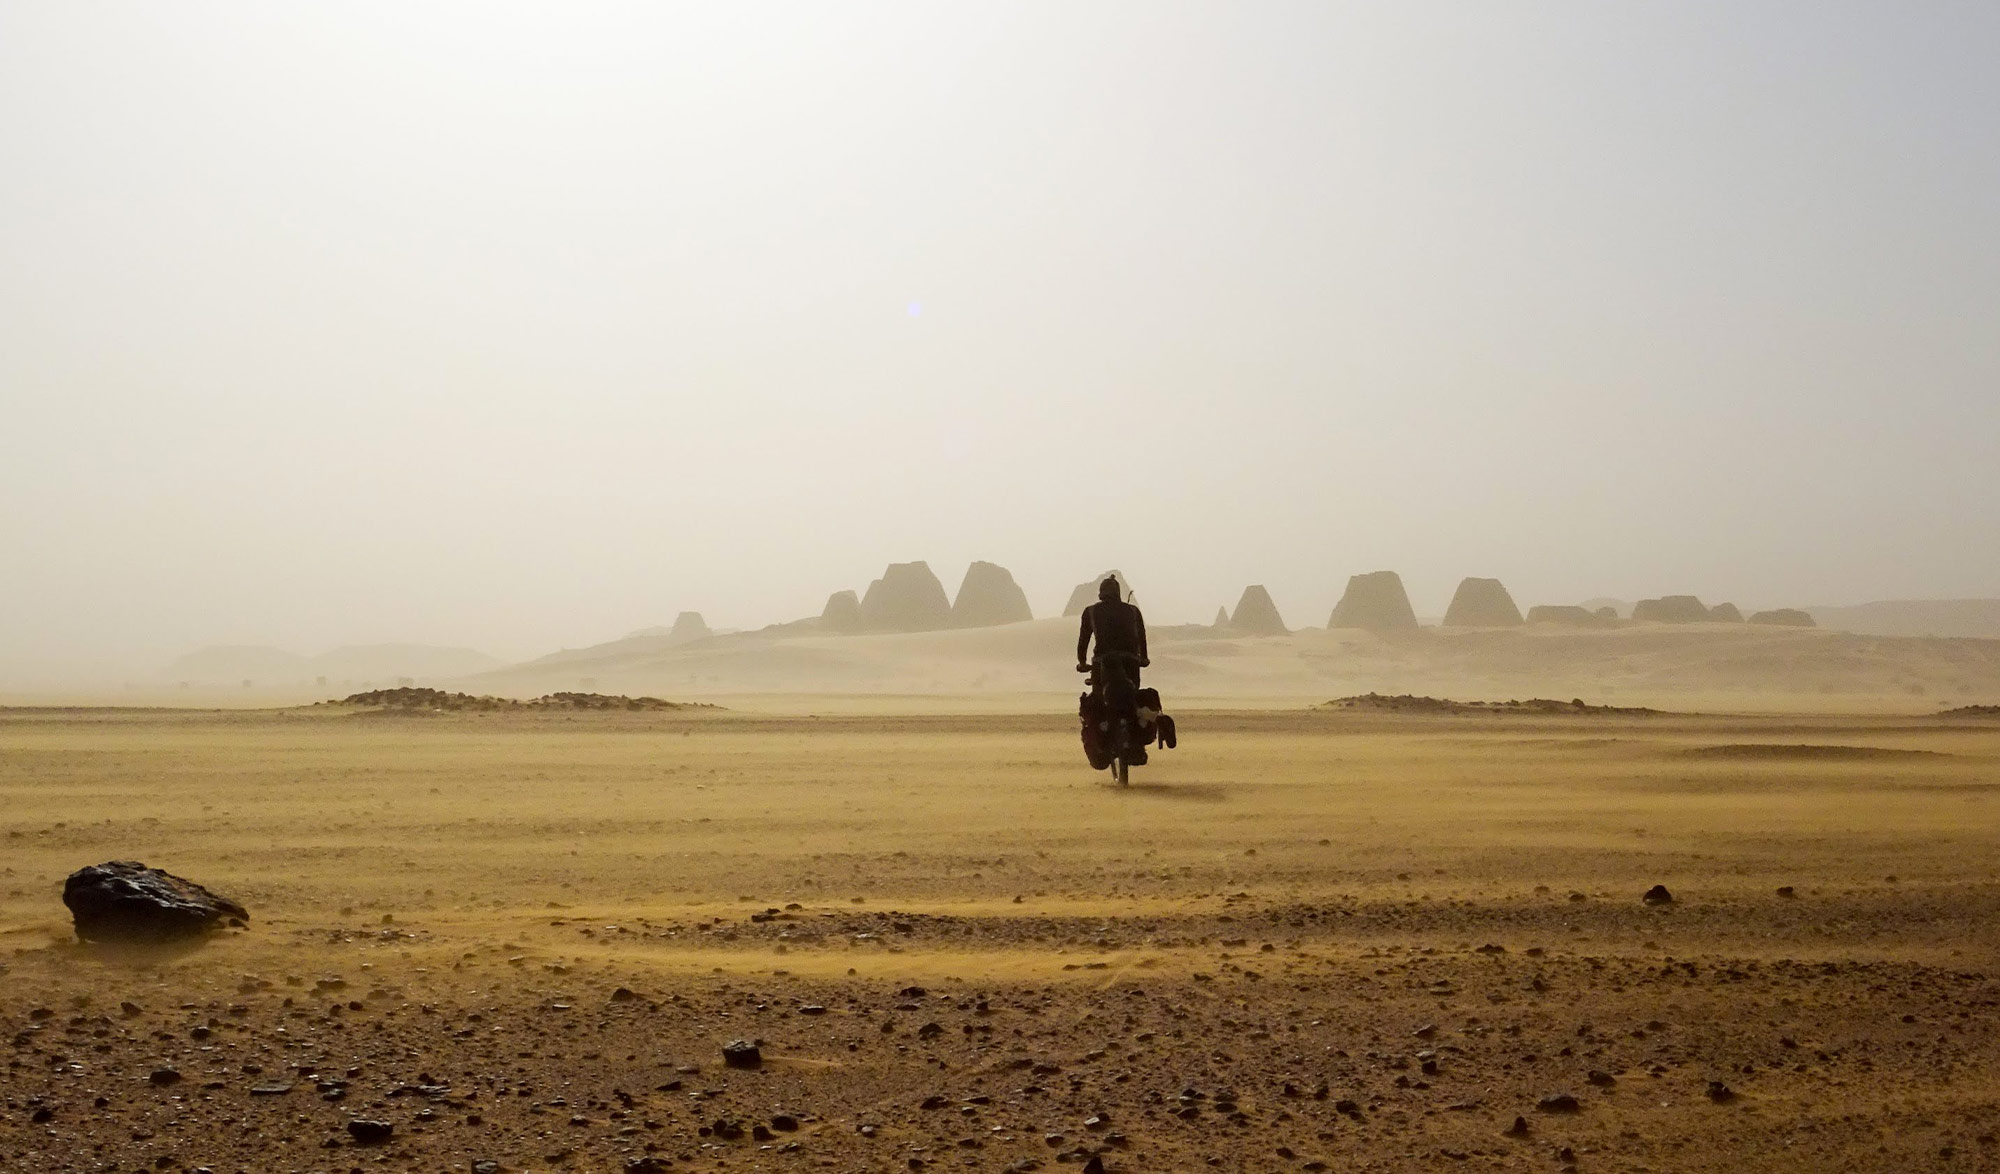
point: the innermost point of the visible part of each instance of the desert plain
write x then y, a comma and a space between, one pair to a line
1307, 939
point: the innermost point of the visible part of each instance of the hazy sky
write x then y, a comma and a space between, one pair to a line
524, 326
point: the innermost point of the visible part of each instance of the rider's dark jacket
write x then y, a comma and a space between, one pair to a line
1118, 627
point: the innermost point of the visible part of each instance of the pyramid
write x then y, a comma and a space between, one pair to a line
988, 596
1375, 601
907, 598
1256, 614
1725, 613
1086, 593
1481, 603
1670, 609
842, 612
1784, 617
1221, 617
689, 626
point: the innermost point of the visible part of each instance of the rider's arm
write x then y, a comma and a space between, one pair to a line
1140, 617
1083, 639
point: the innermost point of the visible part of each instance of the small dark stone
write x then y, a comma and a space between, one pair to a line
42, 1116
271, 1089
785, 1123
1658, 895
934, 1102
489, 1166
726, 1128
369, 1132
741, 1053
1720, 1093
1561, 1102
1519, 1128
165, 1076
1787, 891
1601, 1079
623, 995
1094, 1166
646, 1165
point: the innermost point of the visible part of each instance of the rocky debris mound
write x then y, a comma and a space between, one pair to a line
1481, 603
1375, 601
988, 597
1408, 703
437, 700
842, 612
689, 626
1972, 711
1571, 615
125, 900
1784, 617
1085, 593
1725, 613
1256, 614
907, 598
1670, 609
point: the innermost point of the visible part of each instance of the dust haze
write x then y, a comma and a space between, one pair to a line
496, 327
544, 549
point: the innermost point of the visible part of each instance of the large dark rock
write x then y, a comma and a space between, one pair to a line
1085, 593
125, 900
987, 597
842, 613
1670, 609
1482, 603
1256, 614
907, 598
1784, 617
1375, 601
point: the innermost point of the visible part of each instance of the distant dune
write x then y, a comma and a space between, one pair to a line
1747, 665
1915, 617
263, 666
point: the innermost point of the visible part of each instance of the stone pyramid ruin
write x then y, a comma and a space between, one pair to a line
1725, 613
689, 626
907, 598
1784, 617
1670, 609
1086, 592
988, 596
1221, 617
1256, 615
1375, 601
842, 612
1481, 603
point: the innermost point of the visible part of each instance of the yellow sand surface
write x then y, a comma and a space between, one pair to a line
1305, 939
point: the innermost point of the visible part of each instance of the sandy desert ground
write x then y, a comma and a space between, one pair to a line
1306, 940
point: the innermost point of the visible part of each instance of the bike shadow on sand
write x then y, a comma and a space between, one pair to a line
1180, 792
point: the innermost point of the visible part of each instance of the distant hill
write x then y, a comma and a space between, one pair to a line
233, 663
1678, 666
1915, 617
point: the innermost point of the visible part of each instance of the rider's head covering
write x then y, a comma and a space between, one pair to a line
1108, 589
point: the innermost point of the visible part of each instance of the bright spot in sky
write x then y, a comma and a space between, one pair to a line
916, 309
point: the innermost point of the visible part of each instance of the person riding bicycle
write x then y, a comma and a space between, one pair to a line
1121, 637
